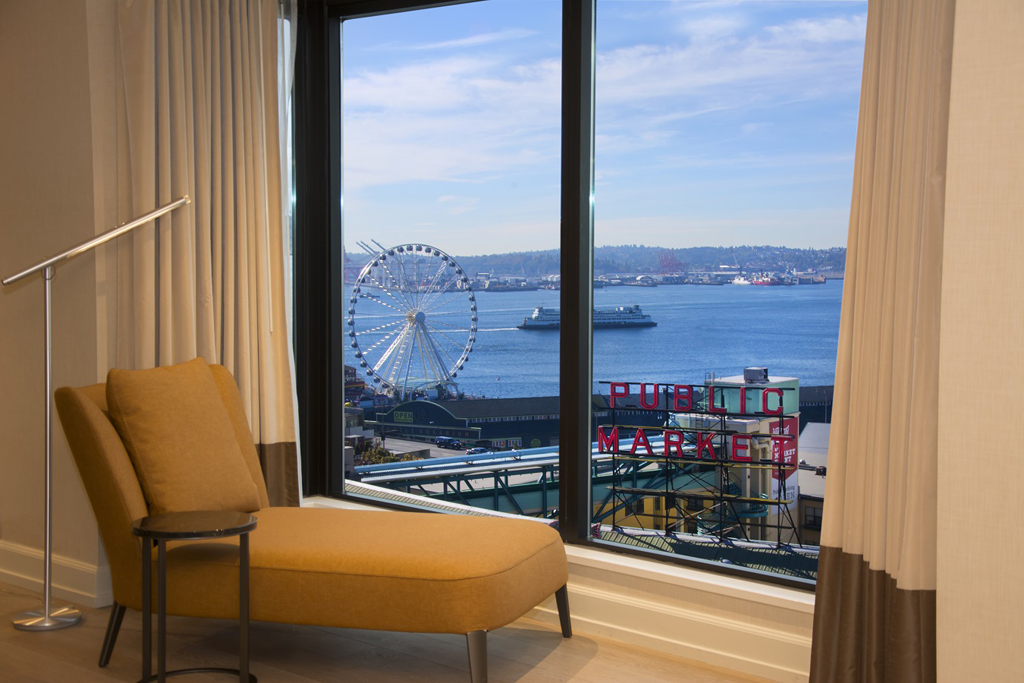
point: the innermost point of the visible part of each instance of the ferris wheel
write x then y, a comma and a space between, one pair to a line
412, 321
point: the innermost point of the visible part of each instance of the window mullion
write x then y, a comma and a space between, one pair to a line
577, 266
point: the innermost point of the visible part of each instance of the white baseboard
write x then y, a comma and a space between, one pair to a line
72, 580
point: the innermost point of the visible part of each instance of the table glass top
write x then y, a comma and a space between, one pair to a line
194, 524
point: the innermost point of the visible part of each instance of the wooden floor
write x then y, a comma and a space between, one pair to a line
524, 651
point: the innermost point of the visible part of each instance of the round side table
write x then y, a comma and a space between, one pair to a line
180, 526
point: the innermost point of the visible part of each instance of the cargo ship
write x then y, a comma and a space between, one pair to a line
604, 318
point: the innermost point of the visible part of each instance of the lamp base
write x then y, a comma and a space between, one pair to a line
37, 620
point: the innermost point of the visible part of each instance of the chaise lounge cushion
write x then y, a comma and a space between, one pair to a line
181, 439
393, 571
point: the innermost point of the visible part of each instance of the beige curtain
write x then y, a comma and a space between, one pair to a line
198, 115
875, 605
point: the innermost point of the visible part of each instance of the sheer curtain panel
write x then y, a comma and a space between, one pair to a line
875, 604
198, 115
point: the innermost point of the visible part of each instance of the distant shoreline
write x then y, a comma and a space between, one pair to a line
636, 260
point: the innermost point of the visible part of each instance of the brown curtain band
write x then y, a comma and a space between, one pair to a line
281, 471
866, 630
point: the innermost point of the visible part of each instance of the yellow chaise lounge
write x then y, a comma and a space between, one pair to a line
392, 571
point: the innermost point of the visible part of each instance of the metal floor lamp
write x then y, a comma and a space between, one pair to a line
46, 618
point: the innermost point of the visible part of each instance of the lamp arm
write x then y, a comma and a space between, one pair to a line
98, 240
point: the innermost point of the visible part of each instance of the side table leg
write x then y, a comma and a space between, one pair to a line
147, 611
243, 608
161, 610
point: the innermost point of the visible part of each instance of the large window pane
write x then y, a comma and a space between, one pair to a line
450, 215
724, 155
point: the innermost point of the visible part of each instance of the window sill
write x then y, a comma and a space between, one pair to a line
693, 579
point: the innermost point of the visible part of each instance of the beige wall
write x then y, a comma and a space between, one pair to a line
49, 175
981, 437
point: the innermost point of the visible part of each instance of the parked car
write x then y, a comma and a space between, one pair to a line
477, 450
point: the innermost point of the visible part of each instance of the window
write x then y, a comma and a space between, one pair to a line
450, 158
712, 135
723, 164
812, 517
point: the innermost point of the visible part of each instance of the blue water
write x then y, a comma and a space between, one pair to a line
793, 331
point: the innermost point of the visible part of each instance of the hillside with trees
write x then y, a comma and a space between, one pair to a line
639, 259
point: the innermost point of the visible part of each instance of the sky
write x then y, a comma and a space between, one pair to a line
718, 123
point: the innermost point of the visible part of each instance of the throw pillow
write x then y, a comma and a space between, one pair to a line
180, 439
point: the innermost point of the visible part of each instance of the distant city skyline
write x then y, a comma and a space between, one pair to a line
719, 123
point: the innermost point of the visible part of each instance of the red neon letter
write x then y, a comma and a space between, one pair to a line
711, 402
704, 441
764, 401
607, 443
639, 439
673, 443
619, 390
741, 451
743, 400
643, 397
682, 398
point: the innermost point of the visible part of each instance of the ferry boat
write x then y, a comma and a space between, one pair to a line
505, 286
604, 318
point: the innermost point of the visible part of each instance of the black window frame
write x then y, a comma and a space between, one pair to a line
318, 270
812, 516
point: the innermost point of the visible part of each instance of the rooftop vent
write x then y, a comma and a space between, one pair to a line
755, 375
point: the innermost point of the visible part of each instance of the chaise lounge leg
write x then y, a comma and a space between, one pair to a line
477, 644
113, 626
562, 600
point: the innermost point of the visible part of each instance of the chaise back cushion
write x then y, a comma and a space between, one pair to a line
180, 438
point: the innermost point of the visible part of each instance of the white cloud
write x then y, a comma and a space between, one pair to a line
654, 87
757, 161
457, 205
452, 119
783, 63
430, 86
478, 39
713, 27
832, 30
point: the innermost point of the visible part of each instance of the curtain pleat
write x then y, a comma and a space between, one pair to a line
198, 115
875, 602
